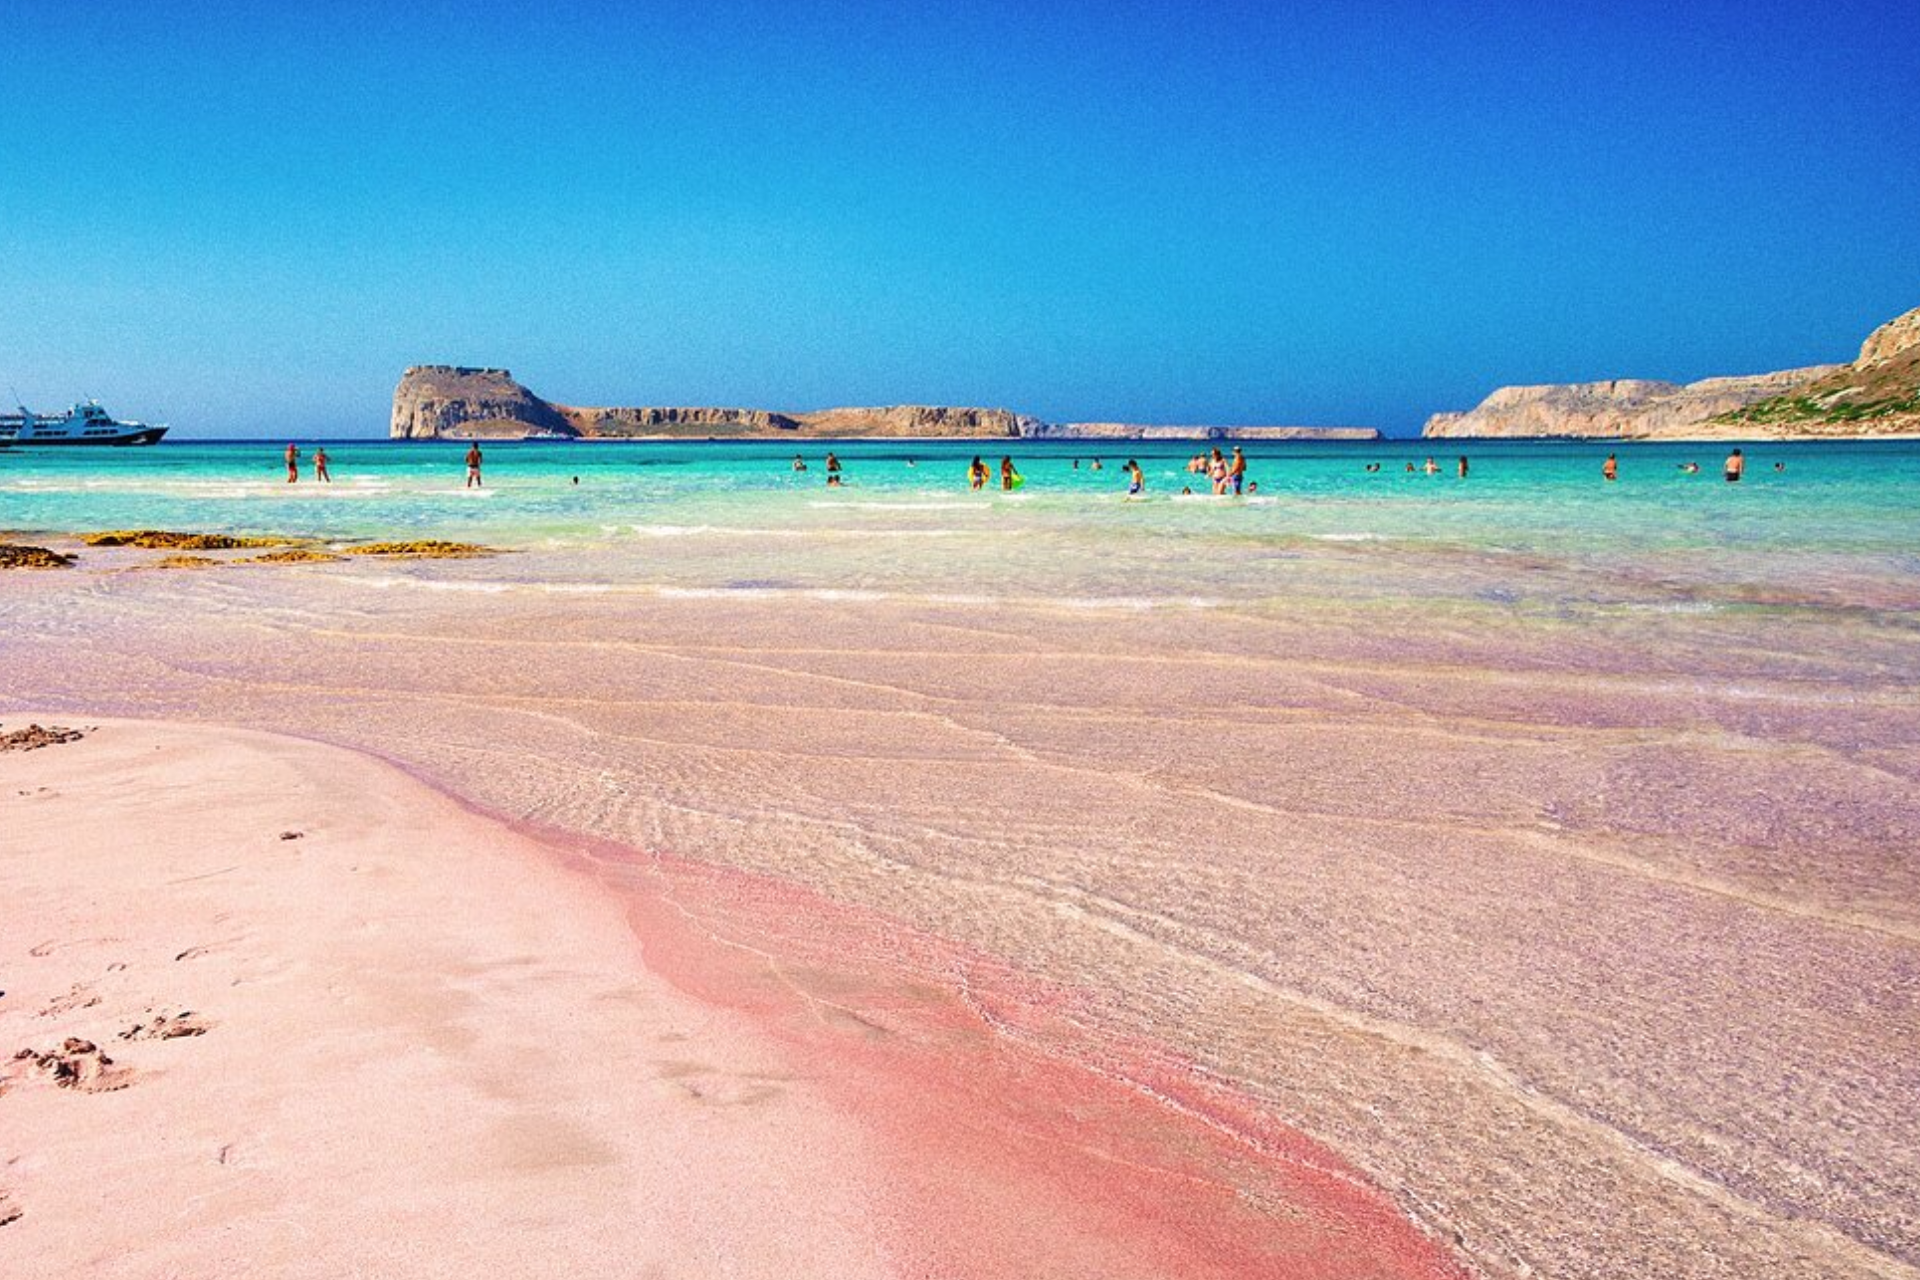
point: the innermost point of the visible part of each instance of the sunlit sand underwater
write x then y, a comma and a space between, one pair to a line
1540, 851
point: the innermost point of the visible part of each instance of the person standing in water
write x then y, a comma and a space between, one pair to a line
1136, 479
1610, 468
799, 463
1217, 472
320, 465
1736, 467
1007, 474
473, 466
977, 474
293, 464
1463, 466
1432, 467
1237, 471
833, 469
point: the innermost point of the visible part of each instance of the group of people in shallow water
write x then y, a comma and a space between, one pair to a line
320, 473
1733, 469
1227, 475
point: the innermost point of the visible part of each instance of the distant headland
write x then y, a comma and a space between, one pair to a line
1876, 395
437, 402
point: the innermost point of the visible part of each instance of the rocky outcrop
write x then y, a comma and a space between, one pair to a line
441, 400
438, 401
1618, 408
1877, 394
1896, 339
917, 420
1151, 431
641, 422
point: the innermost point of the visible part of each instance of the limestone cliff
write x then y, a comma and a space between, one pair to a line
1152, 431
446, 401
1619, 407
1877, 394
435, 400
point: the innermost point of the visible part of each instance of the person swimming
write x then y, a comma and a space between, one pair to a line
1372, 467
1136, 479
799, 463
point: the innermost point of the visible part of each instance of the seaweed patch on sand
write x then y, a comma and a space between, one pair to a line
171, 540
35, 736
14, 555
292, 555
429, 549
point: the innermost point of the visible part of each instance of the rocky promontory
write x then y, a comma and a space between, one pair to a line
1875, 395
438, 401
449, 401
1157, 431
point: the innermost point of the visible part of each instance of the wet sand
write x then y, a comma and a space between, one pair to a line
1588, 932
272, 1006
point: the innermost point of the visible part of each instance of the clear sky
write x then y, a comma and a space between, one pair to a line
249, 218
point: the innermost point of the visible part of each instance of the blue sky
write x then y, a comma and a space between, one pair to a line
248, 221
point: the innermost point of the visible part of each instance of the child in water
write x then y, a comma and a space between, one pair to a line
1136, 479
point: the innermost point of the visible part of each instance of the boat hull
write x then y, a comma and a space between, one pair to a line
145, 435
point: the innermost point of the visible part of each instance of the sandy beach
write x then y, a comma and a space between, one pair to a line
276, 1007
1510, 877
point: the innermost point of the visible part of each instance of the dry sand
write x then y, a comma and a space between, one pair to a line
421, 1048
272, 1007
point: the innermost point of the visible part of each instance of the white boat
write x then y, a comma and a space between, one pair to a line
83, 424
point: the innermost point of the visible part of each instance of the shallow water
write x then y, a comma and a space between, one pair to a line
1551, 849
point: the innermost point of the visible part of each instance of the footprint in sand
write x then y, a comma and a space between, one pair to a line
9, 1211
80, 1065
168, 1026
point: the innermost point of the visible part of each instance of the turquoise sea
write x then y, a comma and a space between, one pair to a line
1839, 521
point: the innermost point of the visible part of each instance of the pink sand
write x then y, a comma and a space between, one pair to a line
433, 1046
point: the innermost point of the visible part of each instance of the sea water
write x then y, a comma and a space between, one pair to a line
1838, 521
